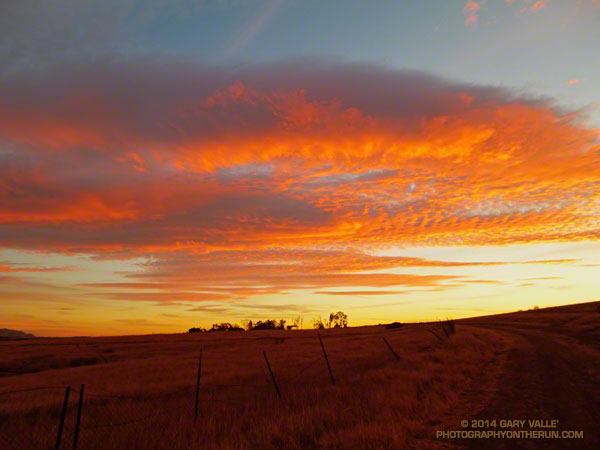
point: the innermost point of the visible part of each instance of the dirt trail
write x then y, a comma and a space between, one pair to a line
547, 375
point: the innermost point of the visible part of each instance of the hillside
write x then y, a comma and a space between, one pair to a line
7, 334
140, 391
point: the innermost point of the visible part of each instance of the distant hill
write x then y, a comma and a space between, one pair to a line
8, 335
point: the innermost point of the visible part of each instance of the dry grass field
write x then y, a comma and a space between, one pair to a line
140, 390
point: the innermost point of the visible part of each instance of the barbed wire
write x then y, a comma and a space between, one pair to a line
121, 424
133, 397
39, 388
214, 398
302, 370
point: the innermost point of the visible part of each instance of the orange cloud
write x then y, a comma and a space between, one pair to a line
354, 293
539, 4
163, 298
573, 81
542, 278
181, 277
471, 10
280, 178
471, 19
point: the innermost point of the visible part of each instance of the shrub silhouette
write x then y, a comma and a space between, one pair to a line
451, 326
266, 325
196, 330
318, 323
248, 325
394, 325
225, 326
269, 325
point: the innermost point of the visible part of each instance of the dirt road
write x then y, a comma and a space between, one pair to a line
549, 375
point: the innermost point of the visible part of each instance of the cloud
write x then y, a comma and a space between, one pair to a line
552, 261
573, 81
184, 277
353, 293
6, 279
284, 157
471, 10
480, 282
259, 179
210, 309
542, 278
162, 298
181, 277
471, 19
278, 307
6, 267
538, 5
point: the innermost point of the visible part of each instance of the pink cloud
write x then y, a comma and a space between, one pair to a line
538, 5
471, 20
471, 9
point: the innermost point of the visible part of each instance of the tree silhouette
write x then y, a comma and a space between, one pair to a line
337, 320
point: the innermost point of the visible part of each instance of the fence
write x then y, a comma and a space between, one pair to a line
58, 419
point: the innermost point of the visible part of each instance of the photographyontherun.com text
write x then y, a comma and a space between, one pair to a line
509, 429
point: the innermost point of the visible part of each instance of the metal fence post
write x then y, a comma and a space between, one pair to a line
198, 385
326, 359
391, 349
79, 407
272, 376
62, 418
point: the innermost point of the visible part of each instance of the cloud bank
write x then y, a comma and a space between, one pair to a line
216, 169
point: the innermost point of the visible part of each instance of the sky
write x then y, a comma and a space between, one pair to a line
173, 164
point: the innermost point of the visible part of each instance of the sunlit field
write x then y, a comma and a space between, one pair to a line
140, 390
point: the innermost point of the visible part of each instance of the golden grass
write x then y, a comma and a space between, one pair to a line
377, 402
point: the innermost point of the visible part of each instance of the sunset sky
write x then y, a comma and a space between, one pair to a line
169, 164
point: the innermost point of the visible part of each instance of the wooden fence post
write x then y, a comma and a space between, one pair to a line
272, 376
79, 407
326, 359
391, 349
62, 418
198, 385
444, 329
